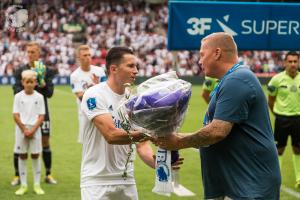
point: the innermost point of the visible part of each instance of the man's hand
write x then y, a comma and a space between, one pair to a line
175, 165
95, 79
170, 142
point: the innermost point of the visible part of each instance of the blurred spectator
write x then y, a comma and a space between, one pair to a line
61, 27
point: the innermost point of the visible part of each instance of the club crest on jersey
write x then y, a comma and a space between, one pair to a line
91, 103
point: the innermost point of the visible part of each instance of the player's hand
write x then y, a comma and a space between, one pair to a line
176, 165
95, 79
28, 133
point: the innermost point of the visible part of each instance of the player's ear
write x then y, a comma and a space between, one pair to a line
113, 68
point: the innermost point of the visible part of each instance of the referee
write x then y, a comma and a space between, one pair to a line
284, 102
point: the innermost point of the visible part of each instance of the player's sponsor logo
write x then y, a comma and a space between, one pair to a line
103, 79
117, 122
91, 103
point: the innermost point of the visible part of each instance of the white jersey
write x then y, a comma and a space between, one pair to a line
80, 80
29, 106
102, 163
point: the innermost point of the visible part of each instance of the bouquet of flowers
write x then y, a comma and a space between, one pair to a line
157, 108
158, 105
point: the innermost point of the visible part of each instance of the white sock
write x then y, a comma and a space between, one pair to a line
23, 171
36, 169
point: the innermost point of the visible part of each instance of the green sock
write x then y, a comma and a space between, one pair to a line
296, 161
280, 161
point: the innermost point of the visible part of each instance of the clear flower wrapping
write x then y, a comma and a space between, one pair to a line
158, 105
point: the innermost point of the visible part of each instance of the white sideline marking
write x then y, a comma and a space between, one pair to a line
290, 191
181, 191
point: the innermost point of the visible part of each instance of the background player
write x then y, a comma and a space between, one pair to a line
85, 76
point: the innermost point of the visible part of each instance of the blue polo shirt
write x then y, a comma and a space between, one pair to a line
245, 164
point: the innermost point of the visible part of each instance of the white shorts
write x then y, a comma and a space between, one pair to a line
109, 192
28, 145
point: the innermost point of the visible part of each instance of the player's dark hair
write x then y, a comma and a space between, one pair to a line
115, 55
291, 53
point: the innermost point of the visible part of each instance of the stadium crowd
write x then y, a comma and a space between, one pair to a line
60, 27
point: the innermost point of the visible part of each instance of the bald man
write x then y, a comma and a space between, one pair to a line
237, 149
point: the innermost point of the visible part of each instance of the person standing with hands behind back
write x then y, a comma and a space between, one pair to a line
284, 102
28, 113
45, 87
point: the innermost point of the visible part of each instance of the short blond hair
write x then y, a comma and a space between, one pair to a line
29, 74
33, 43
82, 47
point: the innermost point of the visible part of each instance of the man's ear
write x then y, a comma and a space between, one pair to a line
218, 53
113, 68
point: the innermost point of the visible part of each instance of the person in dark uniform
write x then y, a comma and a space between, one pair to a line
46, 88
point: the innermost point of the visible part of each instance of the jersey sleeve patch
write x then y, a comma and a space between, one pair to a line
91, 103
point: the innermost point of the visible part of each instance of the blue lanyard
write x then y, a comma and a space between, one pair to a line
232, 69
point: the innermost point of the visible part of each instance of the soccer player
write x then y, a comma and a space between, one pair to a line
284, 102
208, 86
28, 113
237, 149
105, 144
44, 87
84, 77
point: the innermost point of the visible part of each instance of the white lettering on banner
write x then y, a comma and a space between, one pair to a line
199, 25
281, 27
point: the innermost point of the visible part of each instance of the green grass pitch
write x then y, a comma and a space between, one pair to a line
67, 153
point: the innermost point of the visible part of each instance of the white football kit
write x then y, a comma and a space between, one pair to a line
80, 80
29, 108
102, 163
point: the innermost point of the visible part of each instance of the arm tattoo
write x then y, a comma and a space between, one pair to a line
214, 132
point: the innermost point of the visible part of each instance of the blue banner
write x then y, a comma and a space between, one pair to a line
254, 26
